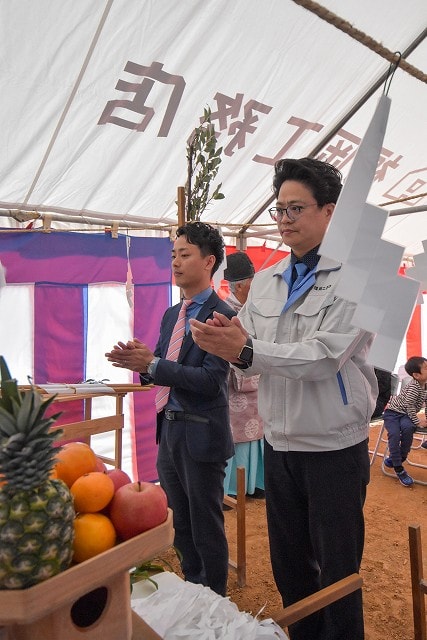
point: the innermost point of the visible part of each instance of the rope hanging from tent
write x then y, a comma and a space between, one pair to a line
389, 202
391, 72
360, 36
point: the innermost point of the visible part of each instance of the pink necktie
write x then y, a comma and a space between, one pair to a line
175, 344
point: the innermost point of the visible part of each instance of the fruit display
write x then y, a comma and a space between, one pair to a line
110, 508
120, 505
59, 505
36, 511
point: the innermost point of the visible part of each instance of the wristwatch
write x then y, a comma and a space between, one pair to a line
246, 355
150, 366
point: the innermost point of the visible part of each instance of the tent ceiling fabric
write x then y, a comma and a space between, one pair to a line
100, 98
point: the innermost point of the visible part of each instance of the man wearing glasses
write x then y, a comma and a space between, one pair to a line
316, 397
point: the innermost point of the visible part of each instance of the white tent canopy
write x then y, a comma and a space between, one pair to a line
99, 99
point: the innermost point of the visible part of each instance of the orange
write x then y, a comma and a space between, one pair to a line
93, 534
73, 460
92, 492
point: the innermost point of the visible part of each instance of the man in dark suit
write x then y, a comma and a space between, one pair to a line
193, 430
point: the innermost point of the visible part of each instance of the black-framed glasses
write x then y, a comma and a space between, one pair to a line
293, 211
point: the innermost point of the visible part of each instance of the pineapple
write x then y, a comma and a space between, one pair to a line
36, 512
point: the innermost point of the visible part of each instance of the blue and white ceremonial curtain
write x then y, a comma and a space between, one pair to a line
67, 302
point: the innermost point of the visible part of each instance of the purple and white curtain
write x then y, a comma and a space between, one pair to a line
69, 298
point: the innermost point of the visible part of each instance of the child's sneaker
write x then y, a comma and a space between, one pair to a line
405, 478
424, 445
388, 463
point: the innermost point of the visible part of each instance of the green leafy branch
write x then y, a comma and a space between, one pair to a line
203, 161
146, 570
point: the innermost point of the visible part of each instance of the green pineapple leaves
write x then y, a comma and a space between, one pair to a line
9, 387
22, 412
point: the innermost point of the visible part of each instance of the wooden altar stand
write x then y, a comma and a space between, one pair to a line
90, 600
89, 426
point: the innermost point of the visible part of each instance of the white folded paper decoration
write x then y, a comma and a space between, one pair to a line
370, 272
179, 610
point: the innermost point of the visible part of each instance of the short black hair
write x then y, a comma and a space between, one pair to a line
323, 179
414, 365
206, 237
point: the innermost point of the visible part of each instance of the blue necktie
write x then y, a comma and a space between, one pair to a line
302, 271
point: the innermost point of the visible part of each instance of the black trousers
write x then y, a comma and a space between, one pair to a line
195, 493
316, 532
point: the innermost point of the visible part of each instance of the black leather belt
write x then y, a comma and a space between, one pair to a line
182, 415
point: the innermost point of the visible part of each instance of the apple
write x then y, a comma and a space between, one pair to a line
119, 478
137, 507
100, 465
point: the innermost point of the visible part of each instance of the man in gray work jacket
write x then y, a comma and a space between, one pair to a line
316, 397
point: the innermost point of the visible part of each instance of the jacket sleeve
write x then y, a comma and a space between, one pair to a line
243, 384
318, 356
205, 378
199, 373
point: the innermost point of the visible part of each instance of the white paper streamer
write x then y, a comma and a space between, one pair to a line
129, 275
369, 275
419, 271
2, 276
180, 610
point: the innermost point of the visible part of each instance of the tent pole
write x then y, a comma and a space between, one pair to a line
181, 206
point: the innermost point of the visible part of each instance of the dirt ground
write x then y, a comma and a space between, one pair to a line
385, 570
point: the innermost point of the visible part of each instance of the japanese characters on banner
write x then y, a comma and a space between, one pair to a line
103, 134
234, 117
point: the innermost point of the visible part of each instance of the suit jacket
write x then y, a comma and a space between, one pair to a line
199, 383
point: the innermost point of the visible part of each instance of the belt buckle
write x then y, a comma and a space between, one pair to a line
170, 415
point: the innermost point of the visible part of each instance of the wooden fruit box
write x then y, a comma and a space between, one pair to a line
90, 600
